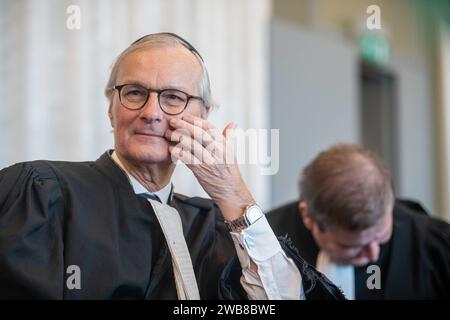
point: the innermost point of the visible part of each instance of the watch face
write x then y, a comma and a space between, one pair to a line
253, 214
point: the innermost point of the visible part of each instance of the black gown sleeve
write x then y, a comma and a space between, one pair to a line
437, 245
316, 286
31, 233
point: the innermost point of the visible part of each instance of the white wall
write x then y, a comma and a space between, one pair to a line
443, 120
314, 99
416, 154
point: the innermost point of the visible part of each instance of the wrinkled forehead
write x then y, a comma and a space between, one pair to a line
161, 66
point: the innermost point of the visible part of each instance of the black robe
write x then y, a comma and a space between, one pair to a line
414, 264
54, 215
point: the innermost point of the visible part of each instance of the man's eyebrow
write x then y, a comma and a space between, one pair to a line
180, 88
129, 81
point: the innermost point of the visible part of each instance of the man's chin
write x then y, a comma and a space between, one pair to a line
150, 156
157, 158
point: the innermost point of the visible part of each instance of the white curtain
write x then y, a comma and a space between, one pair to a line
443, 117
52, 103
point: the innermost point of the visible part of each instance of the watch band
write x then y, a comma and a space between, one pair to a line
238, 224
243, 222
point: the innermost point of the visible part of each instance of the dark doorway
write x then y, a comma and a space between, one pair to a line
379, 114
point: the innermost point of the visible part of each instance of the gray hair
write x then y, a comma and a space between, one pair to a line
164, 39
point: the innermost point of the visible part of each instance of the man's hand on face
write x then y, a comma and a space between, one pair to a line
209, 153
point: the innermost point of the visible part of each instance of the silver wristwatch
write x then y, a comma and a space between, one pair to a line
251, 214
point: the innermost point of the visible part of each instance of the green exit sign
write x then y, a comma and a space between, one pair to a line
374, 47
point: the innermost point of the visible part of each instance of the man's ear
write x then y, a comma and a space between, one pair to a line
110, 115
307, 221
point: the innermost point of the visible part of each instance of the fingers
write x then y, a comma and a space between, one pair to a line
207, 147
178, 153
228, 130
196, 149
203, 123
200, 129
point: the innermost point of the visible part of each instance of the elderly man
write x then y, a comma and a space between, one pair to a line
348, 224
114, 228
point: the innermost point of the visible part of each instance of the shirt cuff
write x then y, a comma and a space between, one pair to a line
258, 240
277, 276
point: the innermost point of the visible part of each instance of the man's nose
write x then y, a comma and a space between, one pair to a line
373, 251
151, 109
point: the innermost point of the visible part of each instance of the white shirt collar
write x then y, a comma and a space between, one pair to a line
341, 275
163, 194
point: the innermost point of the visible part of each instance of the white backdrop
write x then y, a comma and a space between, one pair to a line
444, 120
52, 104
